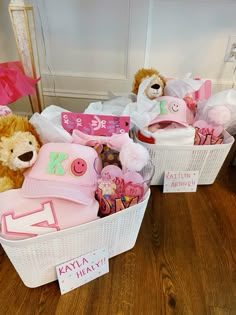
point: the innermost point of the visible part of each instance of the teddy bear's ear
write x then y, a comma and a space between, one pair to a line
163, 79
159, 79
140, 75
34, 132
14, 123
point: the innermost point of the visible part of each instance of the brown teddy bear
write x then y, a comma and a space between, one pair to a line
155, 88
19, 146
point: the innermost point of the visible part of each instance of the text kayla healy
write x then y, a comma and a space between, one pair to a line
81, 267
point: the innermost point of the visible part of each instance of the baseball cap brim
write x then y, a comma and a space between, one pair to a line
163, 121
36, 188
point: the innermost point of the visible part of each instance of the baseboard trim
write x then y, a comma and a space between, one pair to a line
75, 94
104, 95
221, 85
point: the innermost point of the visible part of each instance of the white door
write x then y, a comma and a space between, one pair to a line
88, 47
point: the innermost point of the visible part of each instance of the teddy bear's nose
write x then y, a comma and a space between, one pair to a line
155, 86
26, 157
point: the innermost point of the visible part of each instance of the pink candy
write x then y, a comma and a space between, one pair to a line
118, 190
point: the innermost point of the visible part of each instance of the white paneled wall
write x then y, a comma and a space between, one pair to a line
192, 36
8, 51
90, 47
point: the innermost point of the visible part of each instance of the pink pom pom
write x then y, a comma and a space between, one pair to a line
219, 115
133, 156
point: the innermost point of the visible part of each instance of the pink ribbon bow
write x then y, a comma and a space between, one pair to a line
115, 142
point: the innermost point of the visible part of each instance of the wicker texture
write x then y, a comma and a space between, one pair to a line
206, 159
35, 258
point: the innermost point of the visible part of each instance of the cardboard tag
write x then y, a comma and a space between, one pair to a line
78, 271
97, 125
180, 181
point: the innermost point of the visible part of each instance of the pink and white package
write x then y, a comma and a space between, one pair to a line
97, 125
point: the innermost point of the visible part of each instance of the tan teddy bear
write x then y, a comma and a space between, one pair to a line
19, 146
155, 87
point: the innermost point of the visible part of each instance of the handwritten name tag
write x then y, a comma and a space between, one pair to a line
78, 271
180, 181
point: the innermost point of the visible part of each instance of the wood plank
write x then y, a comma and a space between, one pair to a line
184, 262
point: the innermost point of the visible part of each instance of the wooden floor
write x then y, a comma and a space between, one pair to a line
184, 262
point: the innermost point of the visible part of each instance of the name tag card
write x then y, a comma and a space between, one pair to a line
180, 181
78, 271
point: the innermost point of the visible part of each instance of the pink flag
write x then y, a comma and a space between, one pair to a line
14, 84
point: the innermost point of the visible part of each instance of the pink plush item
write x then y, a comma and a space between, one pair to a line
219, 115
14, 84
133, 156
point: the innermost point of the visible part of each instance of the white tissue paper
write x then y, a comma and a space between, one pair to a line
226, 98
182, 87
144, 110
114, 106
48, 125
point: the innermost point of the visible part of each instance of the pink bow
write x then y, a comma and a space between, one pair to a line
115, 142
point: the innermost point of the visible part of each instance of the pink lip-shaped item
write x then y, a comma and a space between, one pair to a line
133, 177
111, 172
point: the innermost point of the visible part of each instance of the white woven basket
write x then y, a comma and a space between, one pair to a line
35, 258
206, 159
